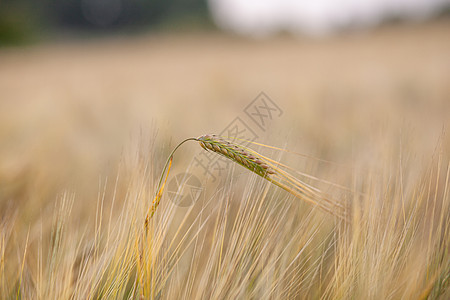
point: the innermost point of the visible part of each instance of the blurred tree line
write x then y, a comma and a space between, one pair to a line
23, 21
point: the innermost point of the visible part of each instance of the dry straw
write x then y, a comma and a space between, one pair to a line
265, 167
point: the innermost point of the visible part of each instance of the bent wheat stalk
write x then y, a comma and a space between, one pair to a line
264, 167
161, 184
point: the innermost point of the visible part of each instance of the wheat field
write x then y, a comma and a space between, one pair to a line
86, 127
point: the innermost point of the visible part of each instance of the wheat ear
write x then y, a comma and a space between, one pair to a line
264, 167
236, 154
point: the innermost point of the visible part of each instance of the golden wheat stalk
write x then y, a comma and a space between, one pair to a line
261, 165
161, 184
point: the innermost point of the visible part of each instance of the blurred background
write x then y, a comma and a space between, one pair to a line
353, 80
94, 94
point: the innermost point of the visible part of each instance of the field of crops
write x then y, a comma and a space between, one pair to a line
86, 127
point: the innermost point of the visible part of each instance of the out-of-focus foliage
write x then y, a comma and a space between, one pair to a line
25, 20
17, 21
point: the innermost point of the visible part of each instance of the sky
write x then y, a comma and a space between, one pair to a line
315, 17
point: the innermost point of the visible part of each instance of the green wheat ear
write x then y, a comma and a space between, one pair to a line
259, 164
236, 154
